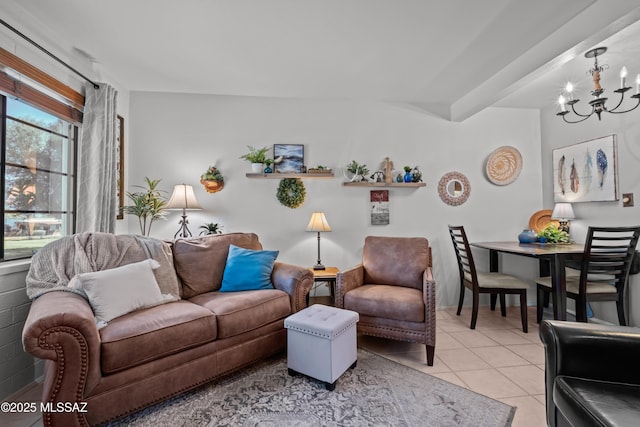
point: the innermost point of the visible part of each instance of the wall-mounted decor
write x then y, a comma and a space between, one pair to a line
120, 166
289, 158
454, 188
587, 171
379, 207
291, 192
504, 165
212, 180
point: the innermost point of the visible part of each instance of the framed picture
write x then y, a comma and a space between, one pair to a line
379, 207
120, 166
587, 171
289, 158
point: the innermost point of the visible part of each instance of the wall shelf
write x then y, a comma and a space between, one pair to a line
277, 175
385, 184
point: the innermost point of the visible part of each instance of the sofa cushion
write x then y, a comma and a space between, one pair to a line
121, 290
391, 302
200, 261
155, 332
239, 312
248, 270
395, 261
592, 402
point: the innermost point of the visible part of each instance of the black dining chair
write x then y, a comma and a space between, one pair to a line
495, 284
604, 271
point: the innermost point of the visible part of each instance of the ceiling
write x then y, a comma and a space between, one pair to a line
451, 58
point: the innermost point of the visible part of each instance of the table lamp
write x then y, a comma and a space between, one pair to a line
183, 198
318, 223
563, 212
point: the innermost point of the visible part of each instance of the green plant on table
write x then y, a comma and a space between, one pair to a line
407, 169
554, 235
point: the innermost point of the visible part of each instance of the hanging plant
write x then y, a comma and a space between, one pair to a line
291, 192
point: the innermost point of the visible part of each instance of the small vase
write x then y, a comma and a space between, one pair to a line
399, 178
268, 169
528, 236
408, 177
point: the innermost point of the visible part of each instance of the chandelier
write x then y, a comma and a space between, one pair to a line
598, 102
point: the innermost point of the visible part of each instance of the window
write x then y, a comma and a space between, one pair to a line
38, 177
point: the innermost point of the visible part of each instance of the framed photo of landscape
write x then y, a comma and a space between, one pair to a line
289, 158
586, 172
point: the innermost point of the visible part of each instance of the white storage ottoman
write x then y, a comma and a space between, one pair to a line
321, 342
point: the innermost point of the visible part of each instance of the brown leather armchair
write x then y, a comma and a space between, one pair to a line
393, 291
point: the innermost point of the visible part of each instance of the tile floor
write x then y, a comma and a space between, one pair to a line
496, 359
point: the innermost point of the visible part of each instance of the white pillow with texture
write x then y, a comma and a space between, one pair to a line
121, 290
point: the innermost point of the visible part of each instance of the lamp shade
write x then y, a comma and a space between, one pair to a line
183, 198
563, 211
318, 222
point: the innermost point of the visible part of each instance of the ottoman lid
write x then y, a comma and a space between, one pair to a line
322, 320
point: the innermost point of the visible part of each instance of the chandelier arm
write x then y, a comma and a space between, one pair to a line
625, 111
586, 116
577, 121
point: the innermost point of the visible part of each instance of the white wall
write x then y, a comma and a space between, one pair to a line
175, 137
556, 133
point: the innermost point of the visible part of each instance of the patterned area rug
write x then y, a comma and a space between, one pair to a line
378, 392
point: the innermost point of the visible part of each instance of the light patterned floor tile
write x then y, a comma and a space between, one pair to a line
499, 356
461, 359
534, 353
529, 411
471, 338
528, 377
490, 382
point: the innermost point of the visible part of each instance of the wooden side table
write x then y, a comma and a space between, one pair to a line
328, 275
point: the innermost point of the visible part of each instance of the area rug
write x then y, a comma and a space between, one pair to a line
378, 392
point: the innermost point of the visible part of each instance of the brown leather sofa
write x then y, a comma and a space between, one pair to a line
149, 355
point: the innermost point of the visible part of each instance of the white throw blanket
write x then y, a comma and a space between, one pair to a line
53, 266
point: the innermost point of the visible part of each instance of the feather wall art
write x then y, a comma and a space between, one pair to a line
586, 172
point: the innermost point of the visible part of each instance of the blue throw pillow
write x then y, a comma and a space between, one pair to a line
248, 270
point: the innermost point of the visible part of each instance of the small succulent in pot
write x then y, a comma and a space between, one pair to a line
210, 228
212, 180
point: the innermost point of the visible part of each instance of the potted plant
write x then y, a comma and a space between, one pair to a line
257, 157
147, 205
267, 164
551, 234
407, 174
210, 228
359, 171
212, 180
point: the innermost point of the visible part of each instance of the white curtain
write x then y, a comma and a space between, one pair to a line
97, 156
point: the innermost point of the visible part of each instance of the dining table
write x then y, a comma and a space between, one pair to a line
553, 258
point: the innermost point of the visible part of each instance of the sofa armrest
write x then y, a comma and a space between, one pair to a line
586, 350
61, 328
346, 281
295, 280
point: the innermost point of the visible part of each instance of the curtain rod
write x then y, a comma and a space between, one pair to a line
95, 85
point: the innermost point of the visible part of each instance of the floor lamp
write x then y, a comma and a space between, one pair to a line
318, 223
183, 198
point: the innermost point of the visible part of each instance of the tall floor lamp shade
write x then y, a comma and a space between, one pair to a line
318, 223
183, 198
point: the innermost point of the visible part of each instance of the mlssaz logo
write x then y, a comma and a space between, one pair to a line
64, 407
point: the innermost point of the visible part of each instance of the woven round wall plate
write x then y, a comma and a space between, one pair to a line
504, 165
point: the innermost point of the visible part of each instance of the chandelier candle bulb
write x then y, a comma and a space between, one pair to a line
623, 77
562, 102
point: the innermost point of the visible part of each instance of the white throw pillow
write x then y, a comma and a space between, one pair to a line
121, 290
